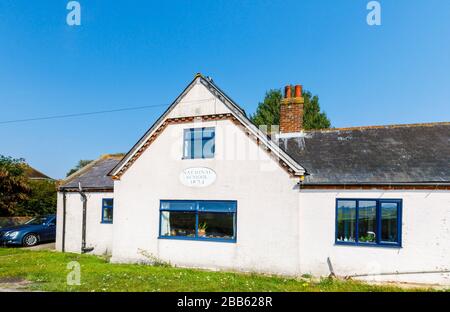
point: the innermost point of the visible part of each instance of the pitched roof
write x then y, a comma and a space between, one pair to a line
93, 176
237, 112
418, 153
34, 174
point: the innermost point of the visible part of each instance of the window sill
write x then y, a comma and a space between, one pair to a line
197, 158
383, 245
201, 239
106, 222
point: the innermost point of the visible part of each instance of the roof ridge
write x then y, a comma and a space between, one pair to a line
113, 156
30, 168
425, 124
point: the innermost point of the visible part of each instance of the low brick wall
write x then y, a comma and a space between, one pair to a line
11, 221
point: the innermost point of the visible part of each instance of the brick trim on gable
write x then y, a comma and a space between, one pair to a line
180, 120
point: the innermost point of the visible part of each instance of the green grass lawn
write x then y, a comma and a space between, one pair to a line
47, 270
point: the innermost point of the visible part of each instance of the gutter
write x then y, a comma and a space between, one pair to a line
87, 189
381, 185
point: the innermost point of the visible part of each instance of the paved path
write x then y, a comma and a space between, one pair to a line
14, 285
49, 246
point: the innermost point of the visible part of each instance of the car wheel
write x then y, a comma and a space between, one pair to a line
30, 240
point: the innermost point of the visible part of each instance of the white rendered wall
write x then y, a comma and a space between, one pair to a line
198, 101
98, 235
267, 204
425, 237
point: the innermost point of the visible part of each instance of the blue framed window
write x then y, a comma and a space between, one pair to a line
107, 210
209, 220
369, 222
199, 143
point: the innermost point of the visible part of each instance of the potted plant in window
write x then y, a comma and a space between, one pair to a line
202, 229
369, 238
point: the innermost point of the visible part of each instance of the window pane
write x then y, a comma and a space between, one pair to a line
187, 134
208, 148
197, 133
346, 221
225, 206
367, 221
189, 143
108, 202
197, 149
208, 133
216, 225
196, 142
107, 214
389, 217
199, 143
178, 205
208, 142
177, 223
187, 149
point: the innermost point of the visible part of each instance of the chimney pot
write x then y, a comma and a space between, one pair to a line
287, 92
298, 91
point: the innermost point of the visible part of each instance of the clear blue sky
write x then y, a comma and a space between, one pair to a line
134, 53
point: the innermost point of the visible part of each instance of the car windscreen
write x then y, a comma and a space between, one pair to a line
37, 221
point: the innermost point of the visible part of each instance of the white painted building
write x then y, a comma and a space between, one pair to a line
206, 188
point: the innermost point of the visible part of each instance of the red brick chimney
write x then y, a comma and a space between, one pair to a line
291, 111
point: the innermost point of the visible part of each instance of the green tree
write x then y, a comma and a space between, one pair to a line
268, 112
313, 118
14, 186
82, 163
41, 199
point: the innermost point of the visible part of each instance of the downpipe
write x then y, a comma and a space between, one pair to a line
63, 247
84, 249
